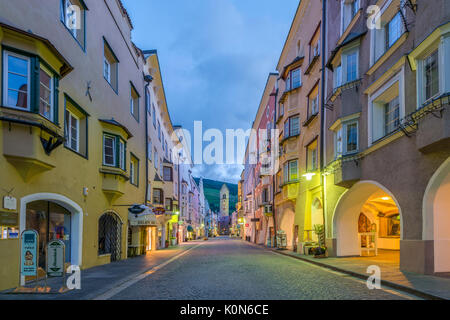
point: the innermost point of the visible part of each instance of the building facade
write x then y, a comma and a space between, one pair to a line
364, 154
387, 132
77, 140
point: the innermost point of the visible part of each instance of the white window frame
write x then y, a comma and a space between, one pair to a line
343, 7
52, 92
122, 154
400, 78
69, 131
6, 54
373, 32
342, 131
349, 51
421, 75
114, 150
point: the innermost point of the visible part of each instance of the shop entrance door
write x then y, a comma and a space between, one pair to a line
51, 221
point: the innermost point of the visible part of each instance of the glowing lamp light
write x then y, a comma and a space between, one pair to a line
309, 175
385, 198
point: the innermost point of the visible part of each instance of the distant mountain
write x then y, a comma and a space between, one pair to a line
212, 193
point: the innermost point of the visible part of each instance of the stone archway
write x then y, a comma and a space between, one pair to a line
436, 217
377, 203
76, 237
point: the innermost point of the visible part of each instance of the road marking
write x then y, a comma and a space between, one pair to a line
396, 292
114, 291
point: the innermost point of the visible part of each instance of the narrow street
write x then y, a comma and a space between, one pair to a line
225, 268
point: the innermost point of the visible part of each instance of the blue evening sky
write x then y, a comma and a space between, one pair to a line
215, 57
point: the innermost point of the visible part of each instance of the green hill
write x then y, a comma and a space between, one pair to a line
212, 193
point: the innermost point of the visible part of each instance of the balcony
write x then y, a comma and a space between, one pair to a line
290, 190
114, 182
347, 172
29, 142
433, 129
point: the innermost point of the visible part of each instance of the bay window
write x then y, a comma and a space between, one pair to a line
109, 150
351, 66
292, 127
347, 70
16, 81
27, 91
46, 93
114, 151
294, 79
346, 138
337, 76
291, 171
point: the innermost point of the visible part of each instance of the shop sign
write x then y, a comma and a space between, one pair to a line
159, 210
9, 219
29, 253
254, 220
55, 258
9, 203
142, 220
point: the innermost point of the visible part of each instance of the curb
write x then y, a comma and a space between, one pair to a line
386, 283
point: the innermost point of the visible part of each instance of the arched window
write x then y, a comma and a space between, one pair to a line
109, 235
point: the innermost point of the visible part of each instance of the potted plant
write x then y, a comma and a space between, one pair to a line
173, 240
321, 250
167, 244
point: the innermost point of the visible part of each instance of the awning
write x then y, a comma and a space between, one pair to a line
190, 229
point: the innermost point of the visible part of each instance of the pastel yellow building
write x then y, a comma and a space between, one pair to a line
73, 147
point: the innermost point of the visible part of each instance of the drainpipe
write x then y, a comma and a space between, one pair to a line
148, 79
274, 175
322, 111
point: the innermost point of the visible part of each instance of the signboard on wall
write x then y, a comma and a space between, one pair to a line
29, 253
55, 258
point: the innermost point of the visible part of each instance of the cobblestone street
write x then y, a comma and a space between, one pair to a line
225, 268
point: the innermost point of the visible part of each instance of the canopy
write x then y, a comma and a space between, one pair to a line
190, 229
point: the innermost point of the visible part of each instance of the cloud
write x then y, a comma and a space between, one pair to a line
215, 57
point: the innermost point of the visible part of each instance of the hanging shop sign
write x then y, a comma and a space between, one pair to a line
159, 210
146, 219
254, 220
29, 253
55, 258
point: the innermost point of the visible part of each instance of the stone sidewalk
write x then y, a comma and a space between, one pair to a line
426, 286
98, 280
